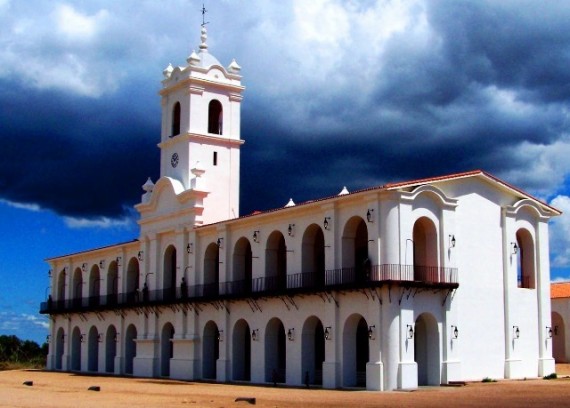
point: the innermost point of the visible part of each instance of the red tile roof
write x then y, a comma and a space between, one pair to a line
560, 290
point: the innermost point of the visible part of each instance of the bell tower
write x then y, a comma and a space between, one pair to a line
200, 135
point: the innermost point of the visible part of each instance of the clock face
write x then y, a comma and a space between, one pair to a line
174, 160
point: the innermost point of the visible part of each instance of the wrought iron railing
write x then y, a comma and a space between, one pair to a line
306, 282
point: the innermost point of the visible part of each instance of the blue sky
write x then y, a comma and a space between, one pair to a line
355, 93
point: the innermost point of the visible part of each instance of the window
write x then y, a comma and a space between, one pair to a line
176, 119
215, 117
215, 158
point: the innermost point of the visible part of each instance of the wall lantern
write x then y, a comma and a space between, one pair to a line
49, 273
48, 338
255, 236
291, 230
516, 332
102, 264
370, 215
140, 256
119, 260
556, 330
549, 332
328, 333
326, 223
454, 332
82, 338
84, 267
452, 241
409, 331
190, 248
371, 332
220, 335
220, 243
254, 334
116, 338
63, 338
291, 334
100, 338
515, 248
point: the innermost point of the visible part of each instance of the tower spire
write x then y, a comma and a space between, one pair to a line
204, 34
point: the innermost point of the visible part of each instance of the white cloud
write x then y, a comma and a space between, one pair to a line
560, 233
100, 223
76, 25
12, 321
22, 206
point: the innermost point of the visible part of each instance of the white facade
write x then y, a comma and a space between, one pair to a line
424, 282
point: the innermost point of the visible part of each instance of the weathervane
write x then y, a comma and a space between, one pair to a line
204, 11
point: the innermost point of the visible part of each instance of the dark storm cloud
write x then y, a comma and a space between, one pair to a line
455, 86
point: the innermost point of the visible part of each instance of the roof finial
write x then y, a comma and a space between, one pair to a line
204, 36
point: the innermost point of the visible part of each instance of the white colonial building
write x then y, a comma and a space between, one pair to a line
421, 282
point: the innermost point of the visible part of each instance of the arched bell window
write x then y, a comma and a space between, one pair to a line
176, 119
215, 117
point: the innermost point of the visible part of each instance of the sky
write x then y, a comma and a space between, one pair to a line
338, 93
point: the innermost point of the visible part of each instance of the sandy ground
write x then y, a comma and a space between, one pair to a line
70, 390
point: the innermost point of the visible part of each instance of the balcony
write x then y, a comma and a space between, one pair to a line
290, 285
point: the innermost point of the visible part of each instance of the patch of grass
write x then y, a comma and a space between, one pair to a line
552, 376
11, 365
488, 380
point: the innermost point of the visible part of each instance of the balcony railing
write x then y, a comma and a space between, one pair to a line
343, 278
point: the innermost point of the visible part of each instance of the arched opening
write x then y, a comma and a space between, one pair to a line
355, 263
94, 288
76, 349
525, 260
112, 283
176, 119
356, 351
61, 286
558, 338
59, 342
215, 117
132, 280
169, 273
210, 351
93, 350
313, 350
77, 287
275, 262
275, 352
426, 350
130, 348
166, 349
242, 266
110, 349
313, 257
241, 348
212, 270
425, 251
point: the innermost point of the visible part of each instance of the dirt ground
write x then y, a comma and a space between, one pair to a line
70, 390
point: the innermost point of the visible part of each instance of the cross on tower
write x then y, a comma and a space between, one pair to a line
204, 11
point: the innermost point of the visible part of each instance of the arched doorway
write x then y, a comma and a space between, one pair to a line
275, 351
77, 288
313, 257
76, 349
427, 350
425, 251
166, 349
94, 288
169, 273
130, 348
61, 287
112, 283
241, 350
275, 262
525, 260
210, 351
212, 270
132, 280
59, 342
355, 262
93, 350
313, 350
110, 349
558, 338
242, 267
356, 351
